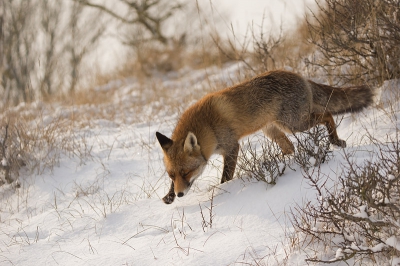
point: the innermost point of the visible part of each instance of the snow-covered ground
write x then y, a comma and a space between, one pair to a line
104, 207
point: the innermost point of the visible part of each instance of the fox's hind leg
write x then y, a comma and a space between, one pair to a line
276, 135
327, 120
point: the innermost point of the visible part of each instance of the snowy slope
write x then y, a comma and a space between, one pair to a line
106, 208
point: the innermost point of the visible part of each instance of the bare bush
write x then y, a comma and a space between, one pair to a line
43, 45
149, 15
18, 59
358, 219
312, 147
267, 53
263, 160
84, 37
12, 151
267, 47
265, 164
145, 32
37, 142
358, 40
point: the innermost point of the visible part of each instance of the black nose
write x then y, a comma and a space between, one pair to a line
180, 194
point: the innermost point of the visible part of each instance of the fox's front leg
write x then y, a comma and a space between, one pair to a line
230, 159
169, 198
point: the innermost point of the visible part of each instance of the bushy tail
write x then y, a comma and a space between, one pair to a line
342, 100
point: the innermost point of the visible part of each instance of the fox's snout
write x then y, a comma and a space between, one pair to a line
181, 187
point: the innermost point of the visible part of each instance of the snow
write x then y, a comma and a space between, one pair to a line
363, 213
393, 241
105, 208
378, 247
395, 261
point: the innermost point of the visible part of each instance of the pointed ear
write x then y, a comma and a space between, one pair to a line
164, 141
191, 143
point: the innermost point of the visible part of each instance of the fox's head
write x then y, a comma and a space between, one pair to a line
183, 161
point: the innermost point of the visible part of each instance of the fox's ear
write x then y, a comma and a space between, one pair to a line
191, 143
164, 141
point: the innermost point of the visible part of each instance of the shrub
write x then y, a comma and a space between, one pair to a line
360, 218
265, 164
263, 160
357, 41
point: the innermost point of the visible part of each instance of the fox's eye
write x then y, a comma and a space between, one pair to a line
187, 173
172, 176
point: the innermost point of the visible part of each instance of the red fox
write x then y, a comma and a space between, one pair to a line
277, 102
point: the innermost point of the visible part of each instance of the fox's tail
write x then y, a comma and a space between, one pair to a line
342, 100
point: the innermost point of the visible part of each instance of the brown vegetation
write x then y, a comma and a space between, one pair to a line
357, 41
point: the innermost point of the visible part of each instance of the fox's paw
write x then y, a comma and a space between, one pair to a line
339, 142
169, 198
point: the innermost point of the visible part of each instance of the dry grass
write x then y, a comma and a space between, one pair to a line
35, 136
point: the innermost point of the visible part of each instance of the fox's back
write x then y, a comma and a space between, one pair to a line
276, 96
